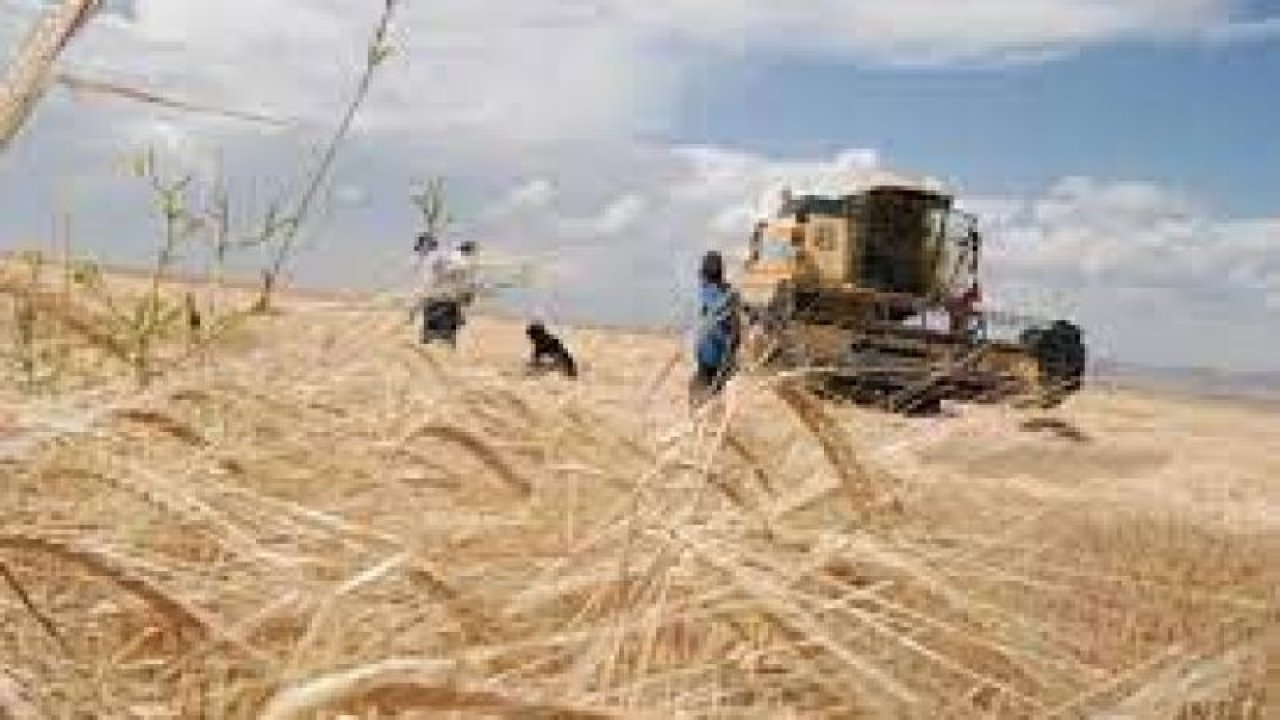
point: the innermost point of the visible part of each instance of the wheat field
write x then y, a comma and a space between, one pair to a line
320, 518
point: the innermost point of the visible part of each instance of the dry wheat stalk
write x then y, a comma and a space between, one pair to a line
41, 618
478, 447
16, 702
406, 684
863, 486
74, 318
101, 564
165, 424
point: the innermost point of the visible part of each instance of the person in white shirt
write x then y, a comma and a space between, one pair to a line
448, 286
425, 244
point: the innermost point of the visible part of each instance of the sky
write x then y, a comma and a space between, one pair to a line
1122, 154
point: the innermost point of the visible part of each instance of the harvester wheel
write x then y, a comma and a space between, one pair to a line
1059, 349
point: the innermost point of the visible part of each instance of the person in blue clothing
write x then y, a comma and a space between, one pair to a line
719, 331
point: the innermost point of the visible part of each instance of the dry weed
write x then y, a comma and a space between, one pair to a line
393, 686
16, 702
864, 486
101, 564
479, 448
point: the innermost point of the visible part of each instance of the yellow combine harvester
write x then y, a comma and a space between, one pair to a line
876, 295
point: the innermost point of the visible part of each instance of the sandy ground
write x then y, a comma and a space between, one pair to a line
290, 492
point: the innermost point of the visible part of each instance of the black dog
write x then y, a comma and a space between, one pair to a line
549, 353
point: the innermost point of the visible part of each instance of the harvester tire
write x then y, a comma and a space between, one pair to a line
1059, 349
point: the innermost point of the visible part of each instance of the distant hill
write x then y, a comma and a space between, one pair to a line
1261, 387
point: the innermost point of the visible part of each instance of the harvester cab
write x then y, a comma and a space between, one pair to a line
877, 294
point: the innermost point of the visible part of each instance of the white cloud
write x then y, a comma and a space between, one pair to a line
535, 194
1273, 292
615, 218
583, 68
350, 194
755, 182
1244, 31
1136, 234
926, 32
527, 71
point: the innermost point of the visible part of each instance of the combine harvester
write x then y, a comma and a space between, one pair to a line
31, 71
876, 296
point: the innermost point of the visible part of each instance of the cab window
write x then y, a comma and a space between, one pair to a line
775, 250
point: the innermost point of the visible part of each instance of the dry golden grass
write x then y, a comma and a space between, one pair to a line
330, 519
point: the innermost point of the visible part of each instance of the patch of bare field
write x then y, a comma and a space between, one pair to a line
324, 518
